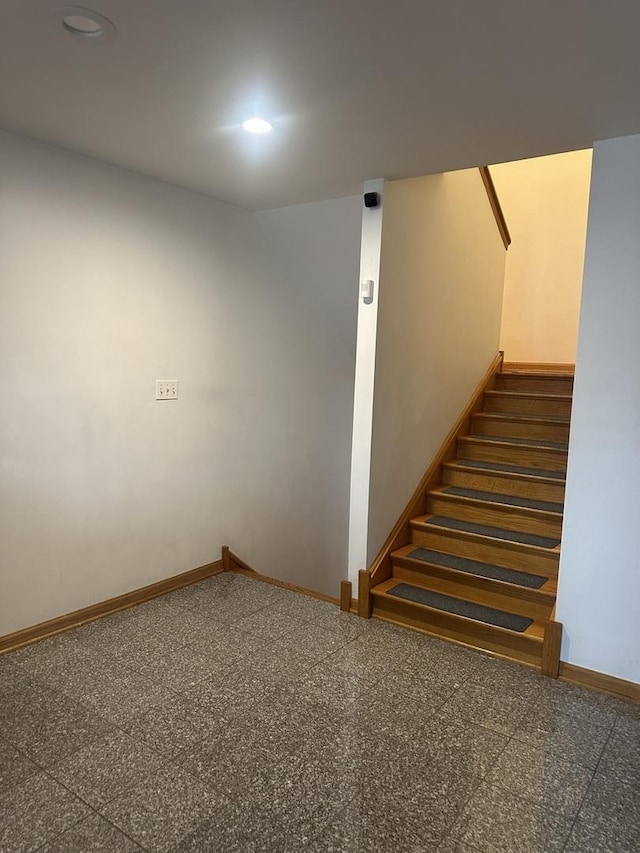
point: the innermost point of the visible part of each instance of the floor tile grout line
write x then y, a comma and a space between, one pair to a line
46, 771
449, 833
586, 793
520, 797
92, 809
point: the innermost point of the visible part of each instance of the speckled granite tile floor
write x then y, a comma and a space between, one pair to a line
236, 716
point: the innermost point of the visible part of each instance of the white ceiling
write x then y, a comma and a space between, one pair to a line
357, 88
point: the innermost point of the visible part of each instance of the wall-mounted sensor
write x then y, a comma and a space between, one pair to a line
371, 199
366, 291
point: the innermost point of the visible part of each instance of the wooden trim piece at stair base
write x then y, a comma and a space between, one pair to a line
551, 649
380, 569
618, 687
238, 565
496, 207
538, 367
364, 593
105, 608
345, 596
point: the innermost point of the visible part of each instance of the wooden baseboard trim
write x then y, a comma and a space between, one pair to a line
238, 565
618, 687
535, 366
345, 596
551, 648
380, 569
105, 608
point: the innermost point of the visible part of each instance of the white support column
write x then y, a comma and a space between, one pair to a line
370, 251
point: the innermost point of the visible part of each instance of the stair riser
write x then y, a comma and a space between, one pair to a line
504, 485
520, 429
524, 457
511, 519
542, 385
488, 550
477, 635
527, 406
525, 602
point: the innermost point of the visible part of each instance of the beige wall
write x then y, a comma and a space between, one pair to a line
440, 304
109, 281
545, 204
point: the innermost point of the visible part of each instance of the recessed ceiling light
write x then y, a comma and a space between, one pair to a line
84, 22
257, 125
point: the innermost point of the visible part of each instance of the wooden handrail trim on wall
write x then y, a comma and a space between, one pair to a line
501, 222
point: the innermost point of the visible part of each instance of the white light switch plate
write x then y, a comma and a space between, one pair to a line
166, 389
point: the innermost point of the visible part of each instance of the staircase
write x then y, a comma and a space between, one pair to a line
482, 564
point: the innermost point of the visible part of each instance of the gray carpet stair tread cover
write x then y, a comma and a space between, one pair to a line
511, 469
458, 607
475, 567
510, 500
495, 532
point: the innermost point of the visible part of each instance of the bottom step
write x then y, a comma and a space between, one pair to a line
459, 619
459, 607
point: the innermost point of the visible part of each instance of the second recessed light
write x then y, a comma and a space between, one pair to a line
84, 22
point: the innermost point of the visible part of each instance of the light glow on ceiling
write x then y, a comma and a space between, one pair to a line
257, 125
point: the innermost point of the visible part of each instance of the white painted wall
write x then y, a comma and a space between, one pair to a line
439, 315
599, 589
545, 202
108, 281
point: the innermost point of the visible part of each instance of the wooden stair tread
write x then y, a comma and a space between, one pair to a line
477, 508
541, 509
500, 552
537, 374
485, 531
503, 482
535, 631
523, 418
501, 468
528, 453
529, 395
531, 443
464, 568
